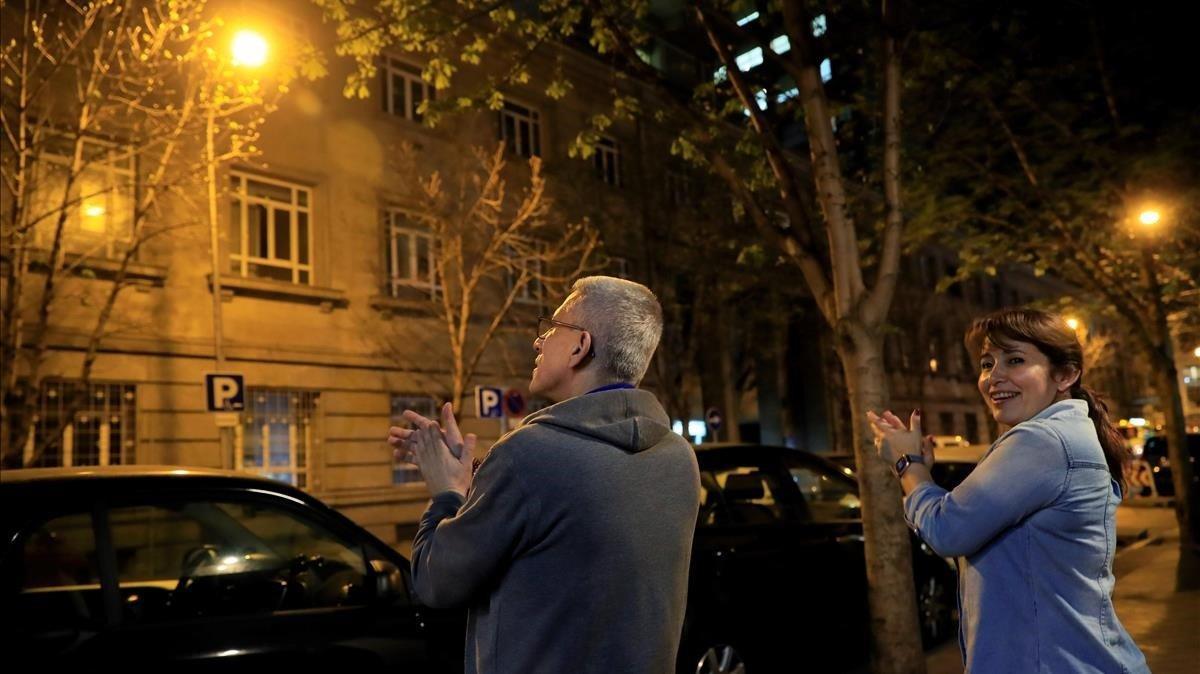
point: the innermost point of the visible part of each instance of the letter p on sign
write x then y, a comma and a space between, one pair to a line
225, 391
488, 402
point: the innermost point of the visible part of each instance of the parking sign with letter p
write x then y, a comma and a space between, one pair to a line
224, 391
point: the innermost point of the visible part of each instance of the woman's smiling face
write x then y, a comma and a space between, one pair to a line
1017, 381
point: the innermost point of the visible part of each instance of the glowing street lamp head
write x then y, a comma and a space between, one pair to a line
1073, 323
249, 49
1149, 217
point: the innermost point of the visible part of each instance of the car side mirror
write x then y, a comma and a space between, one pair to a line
389, 581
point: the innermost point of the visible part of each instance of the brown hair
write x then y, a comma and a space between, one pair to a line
1054, 338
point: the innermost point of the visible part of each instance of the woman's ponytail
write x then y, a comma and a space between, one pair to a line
1116, 454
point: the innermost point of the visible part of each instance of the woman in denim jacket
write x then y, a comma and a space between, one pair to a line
1035, 522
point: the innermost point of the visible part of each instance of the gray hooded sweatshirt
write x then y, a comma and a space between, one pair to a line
571, 551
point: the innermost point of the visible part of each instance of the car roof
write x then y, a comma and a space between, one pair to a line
959, 454
28, 475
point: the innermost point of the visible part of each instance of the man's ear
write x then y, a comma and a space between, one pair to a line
582, 351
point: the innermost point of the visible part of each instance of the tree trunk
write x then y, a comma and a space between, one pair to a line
895, 648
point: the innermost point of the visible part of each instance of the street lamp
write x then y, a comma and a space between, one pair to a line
1073, 323
248, 49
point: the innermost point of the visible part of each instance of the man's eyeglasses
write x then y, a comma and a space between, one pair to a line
545, 325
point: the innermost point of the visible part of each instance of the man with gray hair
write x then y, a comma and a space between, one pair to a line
570, 547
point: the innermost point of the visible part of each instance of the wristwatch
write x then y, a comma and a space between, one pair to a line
905, 461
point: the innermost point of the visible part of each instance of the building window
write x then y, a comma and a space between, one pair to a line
99, 205
78, 426
407, 473
276, 436
410, 254
521, 130
972, 434
532, 291
819, 25
679, 189
749, 59
946, 423
404, 90
607, 160
826, 70
270, 232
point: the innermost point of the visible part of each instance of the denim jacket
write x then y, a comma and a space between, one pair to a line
1035, 526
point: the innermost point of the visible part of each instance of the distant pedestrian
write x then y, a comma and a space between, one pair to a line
1035, 522
570, 547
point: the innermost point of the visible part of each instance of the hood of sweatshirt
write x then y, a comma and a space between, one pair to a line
630, 419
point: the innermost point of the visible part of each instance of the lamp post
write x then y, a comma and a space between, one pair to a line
1186, 505
247, 50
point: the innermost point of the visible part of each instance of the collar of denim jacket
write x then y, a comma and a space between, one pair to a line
1069, 405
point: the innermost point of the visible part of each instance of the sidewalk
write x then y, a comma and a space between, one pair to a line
1164, 623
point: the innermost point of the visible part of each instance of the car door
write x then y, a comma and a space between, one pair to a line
831, 512
53, 601
762, 560
217, 578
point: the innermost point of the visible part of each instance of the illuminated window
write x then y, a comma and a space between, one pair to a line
819, 25
270, 232
747, 60
826, 70
781, 44
276, 436
99, 203
74, 426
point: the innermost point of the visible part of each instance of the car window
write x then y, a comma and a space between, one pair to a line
193, 559
56, 576
950, 474
828, 497
750, 495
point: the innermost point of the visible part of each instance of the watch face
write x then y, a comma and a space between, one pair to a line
902, 463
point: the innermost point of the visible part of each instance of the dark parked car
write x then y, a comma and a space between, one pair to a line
1155, 453
205, 570
778, 580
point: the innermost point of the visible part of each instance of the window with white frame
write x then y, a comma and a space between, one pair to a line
78, 426
607, 161
410, 254
532, 268
521, 130
270, 229
97, 197
276, 436
407, 473
404, 90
